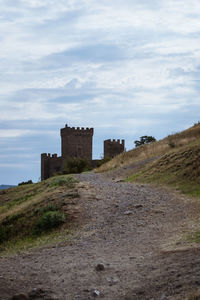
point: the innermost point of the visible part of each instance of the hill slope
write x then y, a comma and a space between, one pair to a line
32, 214
174, 161
179, 168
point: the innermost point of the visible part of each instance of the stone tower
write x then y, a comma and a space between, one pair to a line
76, 142
113, 148
50, 165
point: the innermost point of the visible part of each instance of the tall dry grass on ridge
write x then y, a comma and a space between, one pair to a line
155, 149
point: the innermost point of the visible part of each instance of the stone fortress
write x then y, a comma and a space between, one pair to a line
76, 143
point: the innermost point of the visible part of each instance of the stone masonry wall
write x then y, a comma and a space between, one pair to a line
76, 142
113, 148
50, 165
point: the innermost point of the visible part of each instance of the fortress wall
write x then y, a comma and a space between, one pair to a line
50, 165
76, 143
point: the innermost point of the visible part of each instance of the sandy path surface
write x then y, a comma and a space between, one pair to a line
131, 231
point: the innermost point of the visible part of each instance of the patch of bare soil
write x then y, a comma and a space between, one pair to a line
128, 248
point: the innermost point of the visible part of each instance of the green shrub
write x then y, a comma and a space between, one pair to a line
25, 182
68, 181
48, 221
75, 165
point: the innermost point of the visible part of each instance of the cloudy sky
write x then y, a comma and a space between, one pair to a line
125, 67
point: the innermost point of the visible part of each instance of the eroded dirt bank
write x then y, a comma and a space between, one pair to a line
132, 230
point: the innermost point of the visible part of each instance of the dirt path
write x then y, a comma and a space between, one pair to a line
130, 230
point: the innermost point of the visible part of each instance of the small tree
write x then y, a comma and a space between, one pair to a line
145, 139
25, 182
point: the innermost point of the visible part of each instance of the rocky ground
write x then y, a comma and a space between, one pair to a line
130, 246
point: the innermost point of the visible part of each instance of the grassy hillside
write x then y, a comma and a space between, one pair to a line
179, 168
175, 161
34, 214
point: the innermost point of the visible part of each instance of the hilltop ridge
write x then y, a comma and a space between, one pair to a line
172, 161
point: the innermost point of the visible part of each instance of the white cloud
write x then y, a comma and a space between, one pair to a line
13, 133
10, 133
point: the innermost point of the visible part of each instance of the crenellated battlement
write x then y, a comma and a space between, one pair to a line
115, 141
113, 147
76, 131
50, 165
48, 155
76, 143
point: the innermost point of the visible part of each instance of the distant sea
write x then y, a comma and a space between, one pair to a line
5, 186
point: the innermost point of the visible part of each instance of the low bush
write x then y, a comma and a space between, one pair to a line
25, 182
75, 165
48, 221
68, 181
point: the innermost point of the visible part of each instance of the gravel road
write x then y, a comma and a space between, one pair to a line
127, 248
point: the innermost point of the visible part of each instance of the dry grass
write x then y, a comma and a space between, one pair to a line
173, 161
194, 296
156, 149
179, 167
138, 154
